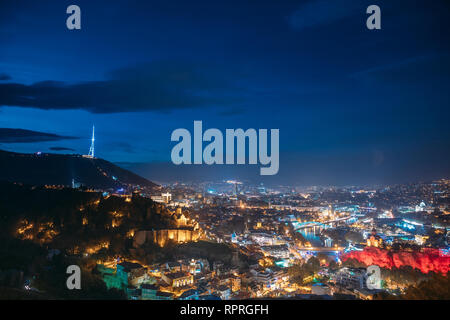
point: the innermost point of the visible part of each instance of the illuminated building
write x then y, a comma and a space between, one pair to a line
374, 240
351, 278
224, 292
131, 273
420, 239
235, 284
194, 268
161, 237
167, 197
181, 220
234, 238
262, 238
163, 198
280, 252
178, 279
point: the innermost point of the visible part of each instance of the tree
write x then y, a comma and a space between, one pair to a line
299, 272
313, 265
333, 265
354, 237
436, 288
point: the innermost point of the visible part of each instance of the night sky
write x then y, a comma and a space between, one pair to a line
354, 106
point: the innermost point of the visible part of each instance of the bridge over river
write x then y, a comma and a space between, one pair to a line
321, 249
317, 224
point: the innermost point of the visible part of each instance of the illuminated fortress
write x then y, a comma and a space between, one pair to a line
162, 237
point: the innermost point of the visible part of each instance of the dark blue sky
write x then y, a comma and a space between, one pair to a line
353, 106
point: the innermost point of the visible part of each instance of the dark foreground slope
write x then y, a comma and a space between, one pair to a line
55, 169
43, 230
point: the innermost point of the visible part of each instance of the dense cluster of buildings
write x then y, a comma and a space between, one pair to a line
270, 230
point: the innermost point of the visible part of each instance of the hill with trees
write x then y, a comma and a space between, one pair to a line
56, 169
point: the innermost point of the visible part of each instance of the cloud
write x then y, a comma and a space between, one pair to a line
161, 86
4, 77
322, 12
411, 70
8, 135
61, 149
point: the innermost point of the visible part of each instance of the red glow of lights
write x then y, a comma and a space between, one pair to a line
426, 261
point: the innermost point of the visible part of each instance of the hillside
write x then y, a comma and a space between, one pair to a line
37, 224
427, 260
56, 169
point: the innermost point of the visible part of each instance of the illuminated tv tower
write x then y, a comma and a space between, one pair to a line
91, 149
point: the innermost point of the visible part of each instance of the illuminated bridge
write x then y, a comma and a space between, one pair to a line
309, 224
321, 249
316, 224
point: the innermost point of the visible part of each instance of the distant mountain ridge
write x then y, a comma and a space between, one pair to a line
59, 169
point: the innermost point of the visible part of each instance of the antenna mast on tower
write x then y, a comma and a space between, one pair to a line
91, 149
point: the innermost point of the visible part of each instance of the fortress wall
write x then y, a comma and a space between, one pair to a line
161, 237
